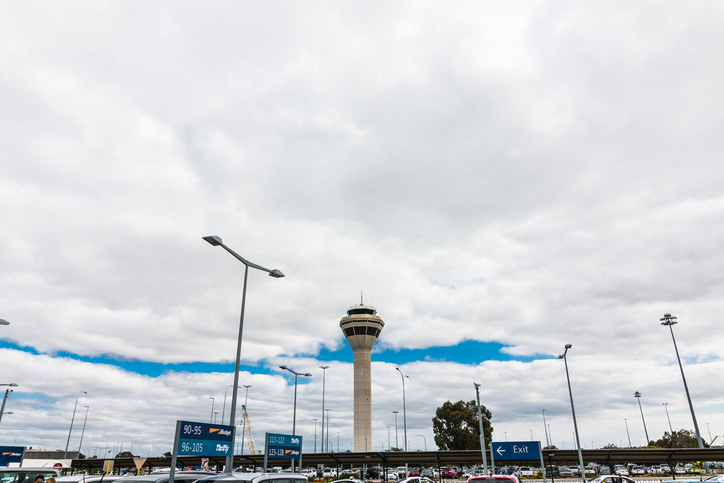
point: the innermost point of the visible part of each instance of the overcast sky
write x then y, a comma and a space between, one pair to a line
498, 178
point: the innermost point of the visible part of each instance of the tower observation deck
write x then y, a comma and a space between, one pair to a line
362, 327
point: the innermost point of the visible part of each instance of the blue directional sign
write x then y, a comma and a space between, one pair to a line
201, 439
11, 454
283, 446
516, 450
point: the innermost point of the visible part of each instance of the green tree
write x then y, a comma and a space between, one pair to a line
678, 439
456, 426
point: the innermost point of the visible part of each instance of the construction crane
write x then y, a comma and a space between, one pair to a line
248, 433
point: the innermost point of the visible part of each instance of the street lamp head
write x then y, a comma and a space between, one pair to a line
562, 356
284, 368
276, 273
4, 322
476, 384
568, 346
307, 374
637, 394
214, 240
324, 367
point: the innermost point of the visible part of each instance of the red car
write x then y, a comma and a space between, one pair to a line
414, 472
493, 479
448, 473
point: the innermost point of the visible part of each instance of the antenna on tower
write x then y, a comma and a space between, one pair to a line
361, 298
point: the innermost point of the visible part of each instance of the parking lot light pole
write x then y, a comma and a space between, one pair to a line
666, 407
425, 439
545, 429
82, 433
397, 443
324, 385
625, 421
296, 375
216, 241
573, 411
71, 423
482, 433
670, 320
404, 408
7, 391
637, 395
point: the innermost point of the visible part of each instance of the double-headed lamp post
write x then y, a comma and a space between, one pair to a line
65, 455
7, 391
573, 411
637, 395
216, 241
296, 375
404, 408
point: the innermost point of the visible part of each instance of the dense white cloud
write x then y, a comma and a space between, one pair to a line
527, 174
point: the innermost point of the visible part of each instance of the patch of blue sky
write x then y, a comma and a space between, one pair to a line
467, 352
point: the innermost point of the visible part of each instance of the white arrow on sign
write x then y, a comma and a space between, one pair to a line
500, 450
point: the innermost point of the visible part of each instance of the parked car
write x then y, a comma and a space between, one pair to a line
525, 472
612, 479
563, 471
23, 475
620, 470
448, 473
493, 479
163, 477
415, 472
256, 478
417, 479
392, 476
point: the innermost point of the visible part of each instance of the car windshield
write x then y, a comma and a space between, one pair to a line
13, 476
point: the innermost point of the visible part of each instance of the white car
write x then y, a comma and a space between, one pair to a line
620, 470
612, 479
392, 476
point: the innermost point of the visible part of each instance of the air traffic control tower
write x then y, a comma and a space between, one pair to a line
362, 327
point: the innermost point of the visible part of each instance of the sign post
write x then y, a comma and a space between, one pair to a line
201, 439
282, 446
518, 450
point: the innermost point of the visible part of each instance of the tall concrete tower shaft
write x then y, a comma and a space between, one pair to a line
362, 327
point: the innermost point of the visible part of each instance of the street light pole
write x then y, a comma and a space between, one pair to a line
211, 418
397, 443
482, 433
627, 433
637, 395
545, 429
327, 432
315, 435
223, 408
324, 385
573, 411
65, 455
82, 433
296, 375
425, 439
670, 320
404, 407
216, 241
666, 407
7, 391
